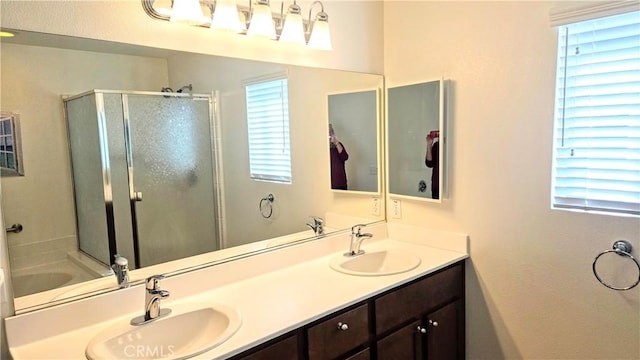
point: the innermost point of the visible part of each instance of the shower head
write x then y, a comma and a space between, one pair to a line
186, 87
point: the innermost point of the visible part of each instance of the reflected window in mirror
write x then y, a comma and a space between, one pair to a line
10, 149
268, 127
415, 140
353, 140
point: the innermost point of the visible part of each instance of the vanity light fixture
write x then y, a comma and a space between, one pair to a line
257, 20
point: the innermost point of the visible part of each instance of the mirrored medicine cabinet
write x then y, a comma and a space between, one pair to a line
416, 146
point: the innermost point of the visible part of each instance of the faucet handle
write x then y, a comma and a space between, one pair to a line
120, 269
119, 262
356, 228
153, 282
317, 220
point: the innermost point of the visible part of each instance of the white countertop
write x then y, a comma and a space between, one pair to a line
274, 292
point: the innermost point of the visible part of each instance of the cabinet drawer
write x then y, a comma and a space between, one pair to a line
327, 340
417, 298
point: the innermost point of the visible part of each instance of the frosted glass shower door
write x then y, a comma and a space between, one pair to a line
91, 178
171, 167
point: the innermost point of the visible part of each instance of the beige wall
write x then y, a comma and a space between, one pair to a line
531, 293
125, 21
530, 290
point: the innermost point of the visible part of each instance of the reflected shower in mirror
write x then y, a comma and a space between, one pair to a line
47, 259
415, 145
353, 136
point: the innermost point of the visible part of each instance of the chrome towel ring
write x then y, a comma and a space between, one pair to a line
622, 248
266, 206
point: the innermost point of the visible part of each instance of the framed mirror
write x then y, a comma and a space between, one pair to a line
354, 133
40, 69
416, 141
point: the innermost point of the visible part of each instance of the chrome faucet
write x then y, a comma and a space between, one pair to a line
356, 240
152, 301
317, 226
121, 270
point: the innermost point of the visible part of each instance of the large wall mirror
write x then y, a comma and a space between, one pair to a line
242, 215
416, 146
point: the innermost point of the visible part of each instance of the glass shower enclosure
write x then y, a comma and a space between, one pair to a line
143, 174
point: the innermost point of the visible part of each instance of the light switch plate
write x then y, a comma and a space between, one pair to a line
396, 209
375, 206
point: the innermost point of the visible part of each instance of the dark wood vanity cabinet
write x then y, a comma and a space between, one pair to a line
423, 319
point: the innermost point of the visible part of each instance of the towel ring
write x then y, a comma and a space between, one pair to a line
269, 209
622, 248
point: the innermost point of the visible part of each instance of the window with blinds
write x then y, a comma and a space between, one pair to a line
596, 163
268, 126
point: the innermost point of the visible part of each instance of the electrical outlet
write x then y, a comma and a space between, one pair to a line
396, 209
375, 206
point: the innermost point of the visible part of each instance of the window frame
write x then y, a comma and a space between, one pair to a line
10, 145
588, 202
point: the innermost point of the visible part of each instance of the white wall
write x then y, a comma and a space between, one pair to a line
531, 293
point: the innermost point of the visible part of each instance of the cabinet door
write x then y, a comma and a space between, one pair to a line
286, 349
405, 344
445, 332
362, 355
414, 300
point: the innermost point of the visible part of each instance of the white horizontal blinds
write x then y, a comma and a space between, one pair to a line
268, 125
597, 142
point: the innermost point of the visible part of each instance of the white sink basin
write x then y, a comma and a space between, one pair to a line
376, 263
188, 331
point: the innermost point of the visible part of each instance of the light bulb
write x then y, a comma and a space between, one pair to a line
320, 35
187, 12
262, 23
225, 17
293, 30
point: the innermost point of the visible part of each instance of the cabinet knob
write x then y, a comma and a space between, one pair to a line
422, 330
343, 326
433, 323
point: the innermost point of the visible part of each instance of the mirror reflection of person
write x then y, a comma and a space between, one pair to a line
432, 160
339, 156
